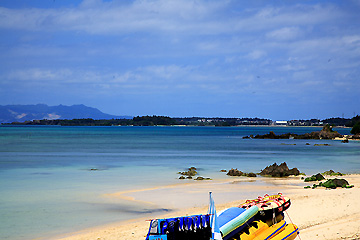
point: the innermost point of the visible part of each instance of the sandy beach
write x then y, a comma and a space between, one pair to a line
319, 213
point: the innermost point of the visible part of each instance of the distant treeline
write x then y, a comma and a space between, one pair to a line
193, 121
149, 121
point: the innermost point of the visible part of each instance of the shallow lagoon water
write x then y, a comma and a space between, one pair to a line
47, 186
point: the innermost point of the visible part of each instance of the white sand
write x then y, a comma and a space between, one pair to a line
319, 213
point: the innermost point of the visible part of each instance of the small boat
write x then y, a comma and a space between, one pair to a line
258, 219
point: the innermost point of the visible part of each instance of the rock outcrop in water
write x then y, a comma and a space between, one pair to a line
190, 173
281, 170
325, 133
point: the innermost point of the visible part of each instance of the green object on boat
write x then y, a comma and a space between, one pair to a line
238, 221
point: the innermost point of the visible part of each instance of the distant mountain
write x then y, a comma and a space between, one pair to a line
21, 113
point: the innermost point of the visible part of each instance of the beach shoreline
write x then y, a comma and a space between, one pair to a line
319, 213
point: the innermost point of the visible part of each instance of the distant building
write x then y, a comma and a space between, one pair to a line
281, 123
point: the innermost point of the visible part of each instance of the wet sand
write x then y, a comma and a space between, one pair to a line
319, 213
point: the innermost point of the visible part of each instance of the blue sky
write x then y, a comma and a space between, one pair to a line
270, 59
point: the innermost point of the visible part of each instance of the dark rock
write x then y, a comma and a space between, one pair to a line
317, 177
223, 170
191, 172
294, 171
307, 143
181, 177
250, 174
328, 133
235, 172
345, 141
322, 144
202, 178
281, 170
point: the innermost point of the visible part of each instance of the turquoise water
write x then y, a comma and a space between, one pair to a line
47, 188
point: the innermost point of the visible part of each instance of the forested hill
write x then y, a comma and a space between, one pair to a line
22, 113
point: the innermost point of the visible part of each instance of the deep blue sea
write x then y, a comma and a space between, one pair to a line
47, 187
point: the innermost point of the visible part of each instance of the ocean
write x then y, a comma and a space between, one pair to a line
52, 178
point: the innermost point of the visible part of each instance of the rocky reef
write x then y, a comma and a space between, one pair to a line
190, 173
332, 184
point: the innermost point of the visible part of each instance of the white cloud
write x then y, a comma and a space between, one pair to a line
97, 17
34, 74
286, 33
190, 17
256, 54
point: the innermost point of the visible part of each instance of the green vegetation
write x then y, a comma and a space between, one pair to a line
149, 121
333, 173
353, 121
356, 129
197, 121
